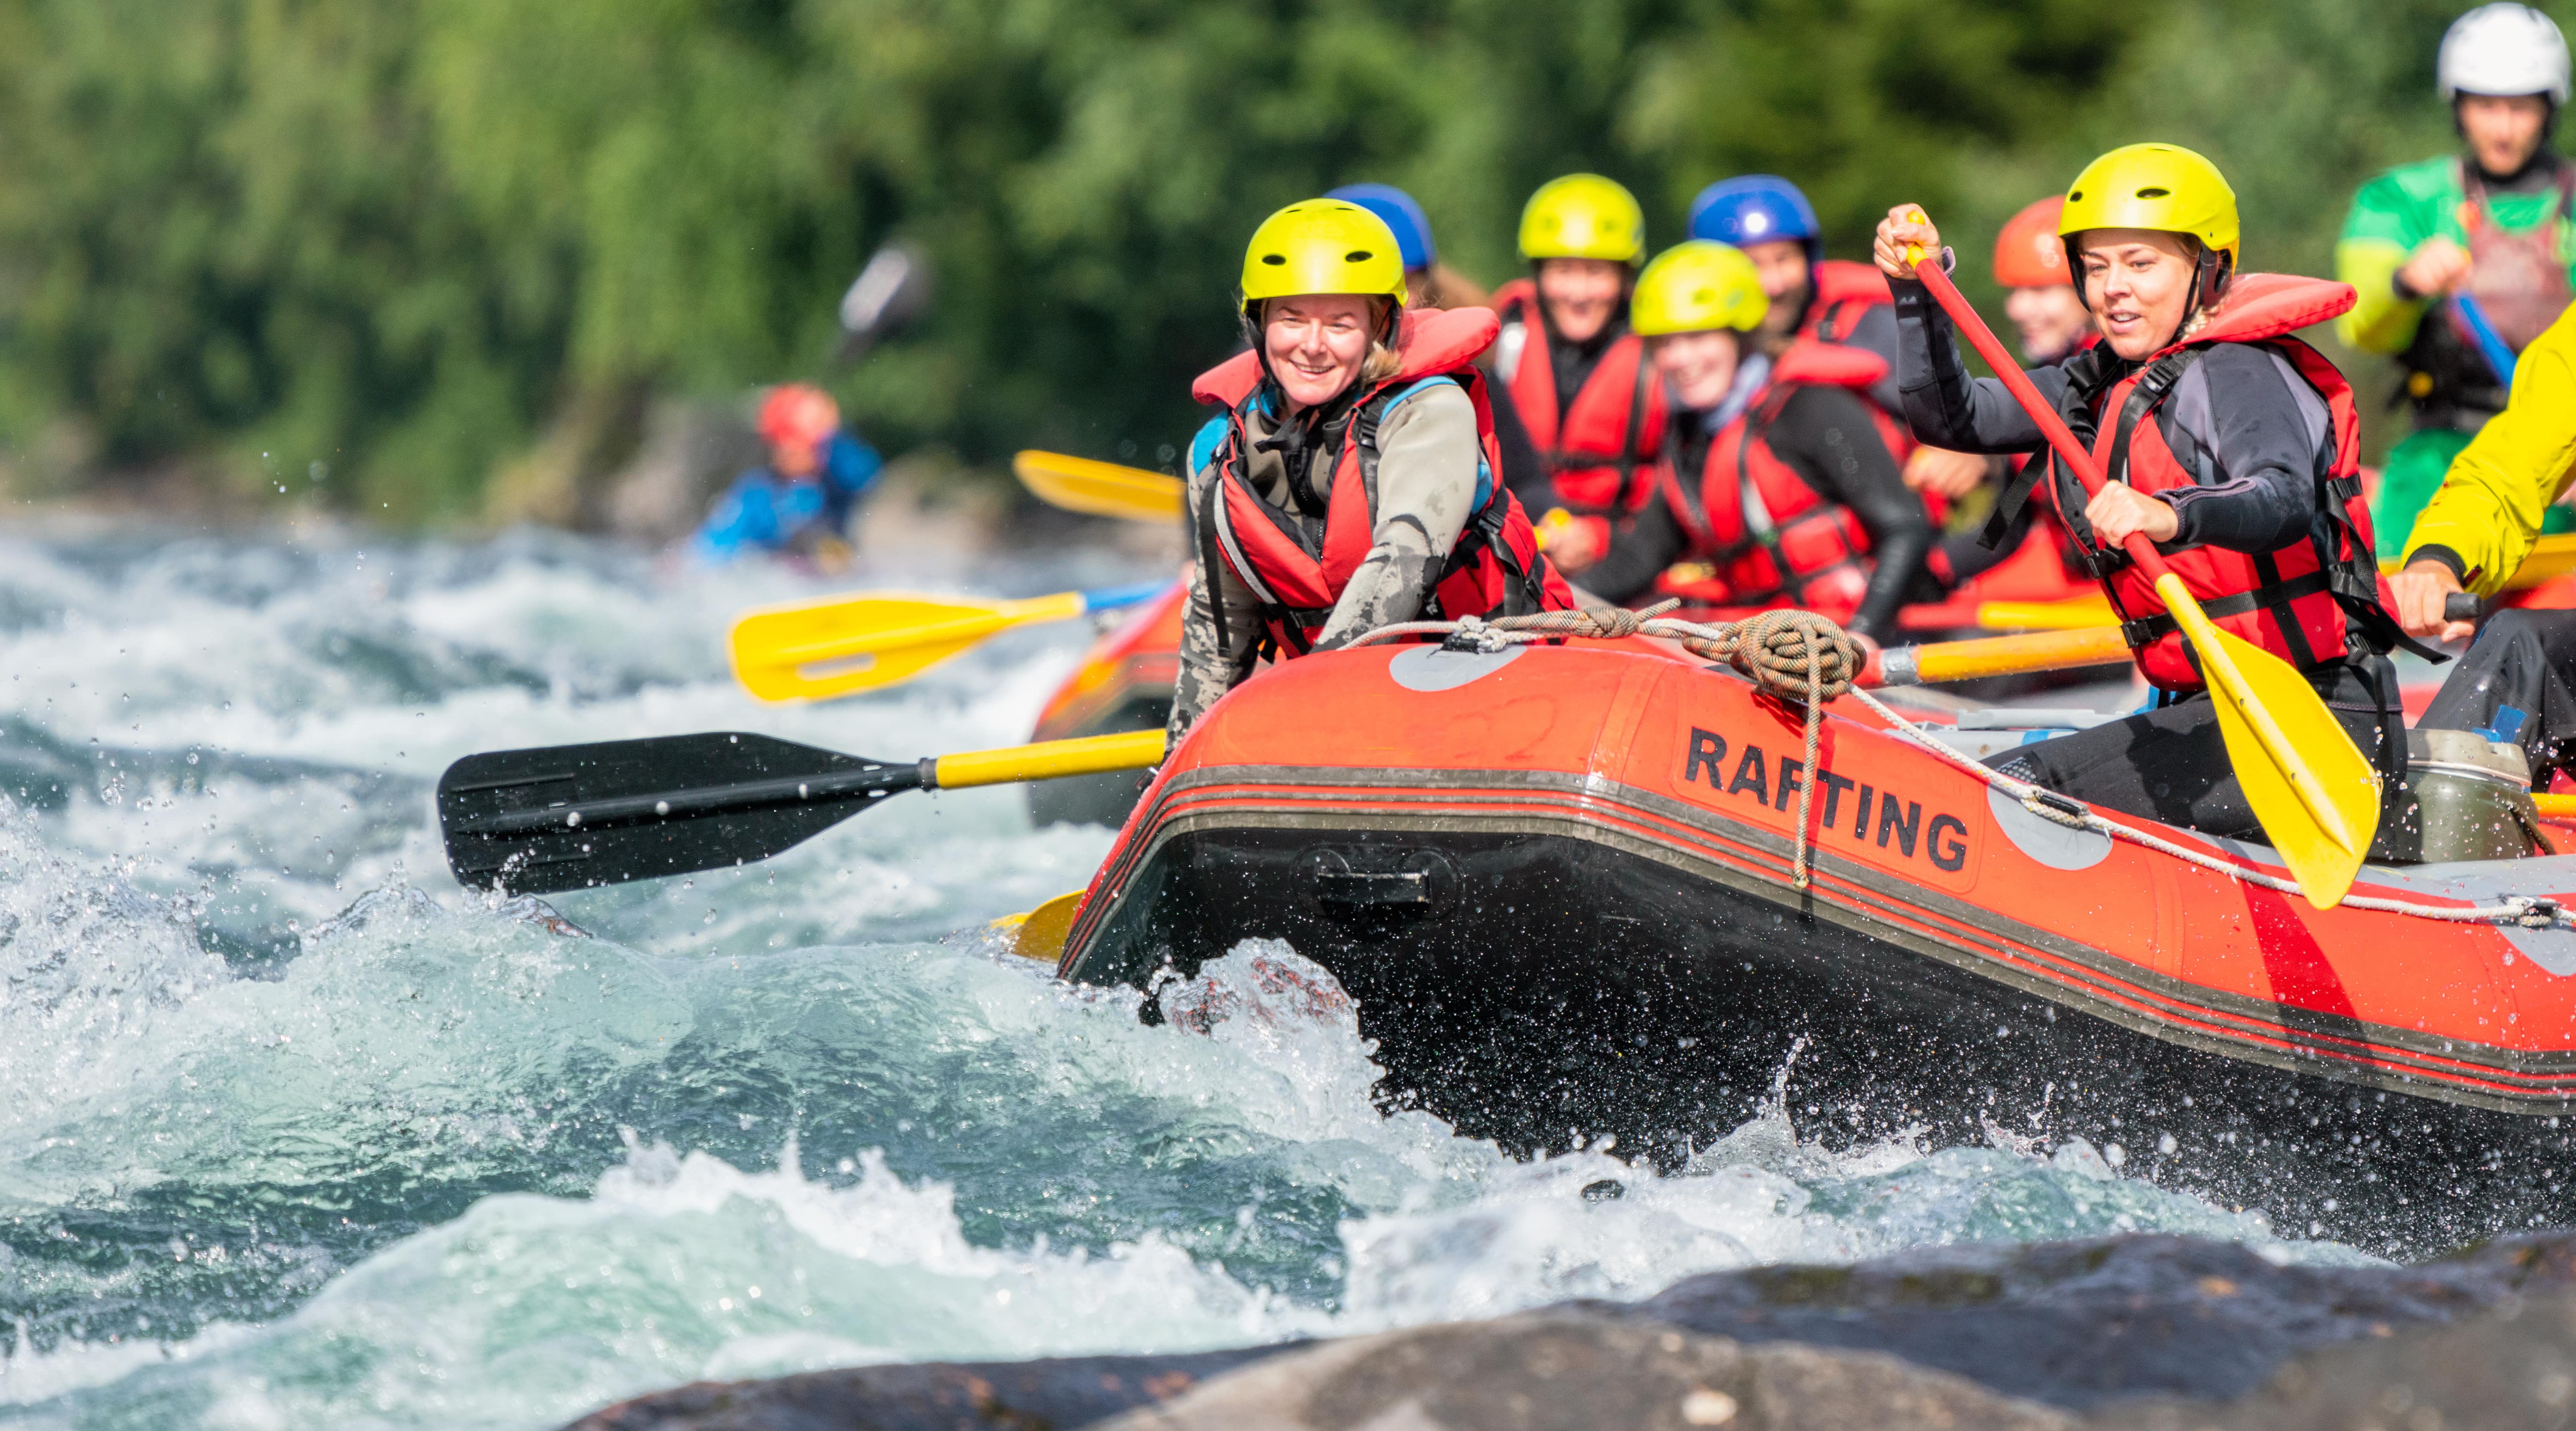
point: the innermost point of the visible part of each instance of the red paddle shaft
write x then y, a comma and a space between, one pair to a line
2051, 426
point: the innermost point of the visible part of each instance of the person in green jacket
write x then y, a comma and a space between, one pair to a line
2463, 260
2517, 683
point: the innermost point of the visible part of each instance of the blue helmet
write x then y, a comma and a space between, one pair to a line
1757, 208
1412, 227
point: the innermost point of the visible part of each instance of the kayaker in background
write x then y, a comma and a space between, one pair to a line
1428, 283
1827, 300
801, 501
2230, 444
2519, 680
1574, 376
2461, 261
1352, 481
1772, 471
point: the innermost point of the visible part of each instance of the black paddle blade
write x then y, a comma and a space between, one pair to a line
575, 816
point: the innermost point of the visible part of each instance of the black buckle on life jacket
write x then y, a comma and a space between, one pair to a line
2147, 630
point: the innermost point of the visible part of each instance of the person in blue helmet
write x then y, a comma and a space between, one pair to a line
1428, 283
1828, 300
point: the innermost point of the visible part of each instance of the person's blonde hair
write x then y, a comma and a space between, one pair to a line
1385, 355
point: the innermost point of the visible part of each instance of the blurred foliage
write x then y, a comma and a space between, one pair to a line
386, 250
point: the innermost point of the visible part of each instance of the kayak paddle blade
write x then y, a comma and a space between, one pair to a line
2315, 793
814, 651
576, 816
1101, 489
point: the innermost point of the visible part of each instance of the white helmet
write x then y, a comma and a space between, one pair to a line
2504, 50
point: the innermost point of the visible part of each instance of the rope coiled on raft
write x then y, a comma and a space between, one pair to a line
1801, 657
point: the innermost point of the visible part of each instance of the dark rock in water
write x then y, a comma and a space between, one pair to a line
2513, 1367
1580, 1371
2074, 1323
2016, 1336
1059, 1392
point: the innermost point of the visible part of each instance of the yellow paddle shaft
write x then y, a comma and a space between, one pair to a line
2555, 807
1999, 656
1049, 759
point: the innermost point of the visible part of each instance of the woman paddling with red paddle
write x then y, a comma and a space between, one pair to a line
2229, 444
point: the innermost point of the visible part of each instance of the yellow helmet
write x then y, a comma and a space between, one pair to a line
1322, 246
1583, 216
1695, 286
2164, 187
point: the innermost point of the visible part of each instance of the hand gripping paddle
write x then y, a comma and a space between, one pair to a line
2315, 793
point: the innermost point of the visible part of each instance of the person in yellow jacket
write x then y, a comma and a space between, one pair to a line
2518, 681
2485, 517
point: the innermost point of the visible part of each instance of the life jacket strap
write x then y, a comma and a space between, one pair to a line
2145, 631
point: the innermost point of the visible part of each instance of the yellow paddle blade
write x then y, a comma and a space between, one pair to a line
2074, 613
2551, 558
1040, 933
1103, 489
813, 651
2315, 793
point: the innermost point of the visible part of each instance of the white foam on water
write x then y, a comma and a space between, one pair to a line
243, 992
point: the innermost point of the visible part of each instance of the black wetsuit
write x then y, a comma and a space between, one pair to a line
1826, 436
2251, 434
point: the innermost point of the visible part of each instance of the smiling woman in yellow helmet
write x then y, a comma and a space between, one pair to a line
1576, 377
1351, 481
2230, 443
1772, 471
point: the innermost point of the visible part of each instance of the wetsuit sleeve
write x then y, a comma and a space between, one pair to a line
1828, 437
1876, 333
2383, 230
1429, 462
2263, 442
1639, 552
1209, 669
2487, 510
1943, 405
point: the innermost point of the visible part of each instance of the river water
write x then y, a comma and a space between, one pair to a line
295, 1132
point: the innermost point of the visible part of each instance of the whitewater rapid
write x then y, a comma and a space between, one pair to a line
295, 1132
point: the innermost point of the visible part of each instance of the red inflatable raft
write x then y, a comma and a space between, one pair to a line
1557, 881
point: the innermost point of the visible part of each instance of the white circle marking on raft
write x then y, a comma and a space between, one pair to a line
1433, 668
2047, 841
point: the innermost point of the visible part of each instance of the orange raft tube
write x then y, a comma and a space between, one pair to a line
1557, 881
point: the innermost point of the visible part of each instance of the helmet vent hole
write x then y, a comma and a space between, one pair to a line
1279, 259
1358, 255
2076, 197
2155, 193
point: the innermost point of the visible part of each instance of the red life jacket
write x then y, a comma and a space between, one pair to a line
1599, 448
2313, 600
1298, 567
1772, 539
1843, 292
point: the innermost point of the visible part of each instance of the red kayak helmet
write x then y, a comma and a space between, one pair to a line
2028, 253
798, 415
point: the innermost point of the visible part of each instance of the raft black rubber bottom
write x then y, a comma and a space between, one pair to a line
1608, 994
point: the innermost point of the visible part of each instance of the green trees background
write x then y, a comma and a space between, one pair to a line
381, 250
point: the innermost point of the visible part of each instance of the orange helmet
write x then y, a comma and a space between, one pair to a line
798, 415
2028, 253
